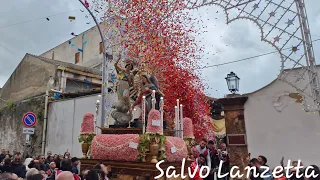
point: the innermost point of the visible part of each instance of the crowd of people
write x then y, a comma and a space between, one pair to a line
208, 153
51, 167
63, 167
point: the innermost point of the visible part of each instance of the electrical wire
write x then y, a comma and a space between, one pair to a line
11, 52
23, 22
244, 59
231, 62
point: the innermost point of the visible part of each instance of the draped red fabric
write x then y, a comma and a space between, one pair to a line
194, 165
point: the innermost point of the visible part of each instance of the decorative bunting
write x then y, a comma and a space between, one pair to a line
72, 18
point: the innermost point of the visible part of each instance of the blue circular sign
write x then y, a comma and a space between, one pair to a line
29, 119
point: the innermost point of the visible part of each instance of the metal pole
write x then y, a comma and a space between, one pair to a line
44, 130
310, 59
104, 75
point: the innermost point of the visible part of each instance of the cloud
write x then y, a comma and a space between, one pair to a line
224, 43
38, 35
241, 39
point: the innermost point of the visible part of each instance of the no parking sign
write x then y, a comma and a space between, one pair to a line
29, 119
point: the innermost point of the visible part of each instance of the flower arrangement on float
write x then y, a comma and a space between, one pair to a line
153, 141
150, 146
115, 147
177, 149
154, 144
188, 134
87, 133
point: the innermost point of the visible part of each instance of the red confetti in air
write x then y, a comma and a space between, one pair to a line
159, 33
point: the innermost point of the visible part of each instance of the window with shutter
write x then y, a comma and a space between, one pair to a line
77, 58
100, 48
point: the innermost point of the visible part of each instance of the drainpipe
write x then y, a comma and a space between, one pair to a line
44, 129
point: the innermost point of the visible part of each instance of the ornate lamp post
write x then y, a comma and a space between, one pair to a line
232, 82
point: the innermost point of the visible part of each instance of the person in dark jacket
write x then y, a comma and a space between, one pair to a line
105, 169
214, 155
17, 167
66, 165
263, 160
7, 153
2, 155
92, 175
57, 160
315, 170
48, 159
41, 166
6, 167
224, 158
67, 155
84, 173
256, 165
293, 171
75, 163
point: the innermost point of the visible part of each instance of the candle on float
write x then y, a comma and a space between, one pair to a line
178, 104
181, 121
178, 129
176, 119
161, 113
95, 119
153, 101
133, 115
134, 112
143, 114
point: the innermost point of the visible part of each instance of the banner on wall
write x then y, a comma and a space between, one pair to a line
219, 127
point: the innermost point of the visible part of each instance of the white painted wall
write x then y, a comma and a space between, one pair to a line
64, 122
292, 133
60, 127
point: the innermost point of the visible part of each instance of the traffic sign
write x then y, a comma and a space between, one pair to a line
28, 131
29, 119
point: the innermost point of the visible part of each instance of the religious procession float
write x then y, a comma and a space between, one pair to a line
133, 146
160, 107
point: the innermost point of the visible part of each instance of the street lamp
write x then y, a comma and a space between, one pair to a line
233, 82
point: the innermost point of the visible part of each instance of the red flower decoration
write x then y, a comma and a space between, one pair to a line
87, 125
115, 147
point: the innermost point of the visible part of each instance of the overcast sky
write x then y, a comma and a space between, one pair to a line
25, 29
